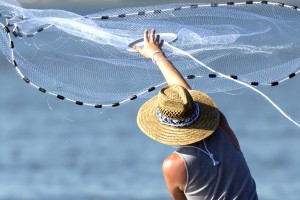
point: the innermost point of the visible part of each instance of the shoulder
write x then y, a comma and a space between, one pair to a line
225, 126
173, 162
175, 171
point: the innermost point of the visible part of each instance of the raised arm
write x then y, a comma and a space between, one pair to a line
153, 50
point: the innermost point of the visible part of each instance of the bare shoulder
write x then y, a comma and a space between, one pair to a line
175, 171
225, 126
173, 162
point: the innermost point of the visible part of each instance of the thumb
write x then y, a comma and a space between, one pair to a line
137, 48
140, 50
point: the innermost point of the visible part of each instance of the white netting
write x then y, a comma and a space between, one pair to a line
86, 59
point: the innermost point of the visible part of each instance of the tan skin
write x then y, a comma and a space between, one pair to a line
174, 170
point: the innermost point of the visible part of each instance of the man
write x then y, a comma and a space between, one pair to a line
208, 163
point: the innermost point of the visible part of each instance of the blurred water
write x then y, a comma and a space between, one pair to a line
54, 150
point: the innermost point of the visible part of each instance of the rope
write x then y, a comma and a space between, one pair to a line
235, 80
16, 32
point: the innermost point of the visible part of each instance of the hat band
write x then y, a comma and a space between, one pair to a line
178, 123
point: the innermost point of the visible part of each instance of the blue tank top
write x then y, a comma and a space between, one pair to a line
231, 179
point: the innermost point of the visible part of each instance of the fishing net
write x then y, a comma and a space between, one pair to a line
89, 60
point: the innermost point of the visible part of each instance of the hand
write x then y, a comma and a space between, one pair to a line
151, 44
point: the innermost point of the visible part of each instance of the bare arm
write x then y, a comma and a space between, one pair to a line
153, 44
173, 167
175, 176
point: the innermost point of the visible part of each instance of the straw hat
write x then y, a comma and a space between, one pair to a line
178, 117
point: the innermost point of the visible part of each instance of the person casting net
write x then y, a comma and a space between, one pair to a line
89, 60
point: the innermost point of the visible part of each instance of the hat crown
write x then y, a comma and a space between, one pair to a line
176, 103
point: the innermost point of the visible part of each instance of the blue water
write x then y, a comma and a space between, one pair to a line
54, 150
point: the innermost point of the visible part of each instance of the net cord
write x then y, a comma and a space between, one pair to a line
235, 80
107, 105
46, 26
199, 5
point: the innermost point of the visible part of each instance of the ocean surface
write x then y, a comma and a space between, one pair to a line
54, 150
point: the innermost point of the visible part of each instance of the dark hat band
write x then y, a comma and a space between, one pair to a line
178, 123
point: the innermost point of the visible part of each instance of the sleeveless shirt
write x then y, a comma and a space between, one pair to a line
230, 180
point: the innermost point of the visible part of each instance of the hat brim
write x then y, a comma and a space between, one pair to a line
203, 127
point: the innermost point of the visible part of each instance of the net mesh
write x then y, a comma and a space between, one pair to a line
88, 60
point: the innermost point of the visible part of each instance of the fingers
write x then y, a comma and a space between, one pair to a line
152, 35
157, 39
152, 43
146, 38
161, 43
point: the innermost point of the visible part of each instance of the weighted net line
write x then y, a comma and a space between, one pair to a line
17, 33
13, 30
235, 79
191, 7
